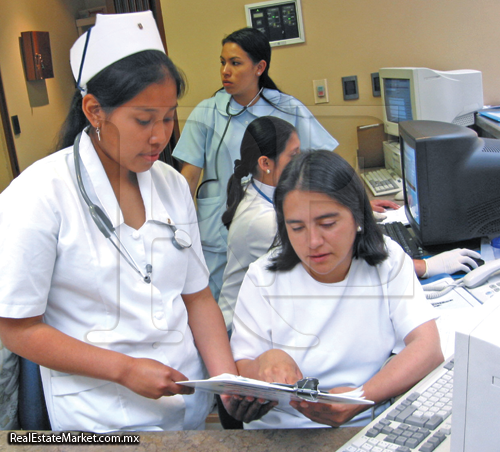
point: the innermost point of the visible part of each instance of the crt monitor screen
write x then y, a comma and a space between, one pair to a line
397, 100
416, 93
411, 184
451, 182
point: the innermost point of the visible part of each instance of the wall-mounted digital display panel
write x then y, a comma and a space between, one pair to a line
280, 21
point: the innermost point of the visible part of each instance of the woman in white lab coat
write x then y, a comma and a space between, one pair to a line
333, 301
102, 278
268, 144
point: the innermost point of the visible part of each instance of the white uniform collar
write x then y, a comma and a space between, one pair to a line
268, 190
260, 108
99, 188
155, 209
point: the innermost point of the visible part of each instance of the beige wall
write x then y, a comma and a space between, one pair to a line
41, 105
343, 38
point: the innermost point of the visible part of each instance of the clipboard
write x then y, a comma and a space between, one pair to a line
305, 389
370, 146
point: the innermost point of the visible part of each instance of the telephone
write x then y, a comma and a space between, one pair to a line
481, 274
471, 280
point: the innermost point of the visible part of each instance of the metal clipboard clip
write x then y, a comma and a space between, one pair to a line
306, 389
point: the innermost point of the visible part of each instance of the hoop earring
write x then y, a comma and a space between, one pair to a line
98, 131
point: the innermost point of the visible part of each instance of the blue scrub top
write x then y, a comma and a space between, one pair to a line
201, 137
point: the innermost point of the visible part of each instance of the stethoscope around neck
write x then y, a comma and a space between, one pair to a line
231, 116
181, 239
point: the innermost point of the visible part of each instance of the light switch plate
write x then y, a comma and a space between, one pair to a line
320, 91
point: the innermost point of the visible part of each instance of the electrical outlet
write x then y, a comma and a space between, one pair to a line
320, 91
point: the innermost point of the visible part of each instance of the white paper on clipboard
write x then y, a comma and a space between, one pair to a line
235, 385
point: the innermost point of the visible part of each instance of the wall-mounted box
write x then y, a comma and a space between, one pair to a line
350, 87
36, 55
280, 20
375, 84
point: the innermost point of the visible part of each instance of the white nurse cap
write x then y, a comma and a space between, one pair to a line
113, 37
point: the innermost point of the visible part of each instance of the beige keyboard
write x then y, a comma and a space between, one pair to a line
382, 182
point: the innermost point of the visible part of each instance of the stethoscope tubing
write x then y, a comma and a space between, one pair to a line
104, 224
231, 116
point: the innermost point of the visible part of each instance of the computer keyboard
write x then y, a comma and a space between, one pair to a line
398, 232
419, 421
382, 182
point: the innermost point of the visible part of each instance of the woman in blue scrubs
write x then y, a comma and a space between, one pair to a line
211, 139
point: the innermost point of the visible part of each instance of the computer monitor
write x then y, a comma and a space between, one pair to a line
476, 382
425, 94
451, 182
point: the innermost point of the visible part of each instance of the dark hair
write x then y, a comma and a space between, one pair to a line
265, 136
117, 84
257, 46
328, 173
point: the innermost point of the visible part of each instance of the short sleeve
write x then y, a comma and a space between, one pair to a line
409, 308
28, 239
196, 134
252, 334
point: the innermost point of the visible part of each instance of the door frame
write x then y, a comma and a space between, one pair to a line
9, 137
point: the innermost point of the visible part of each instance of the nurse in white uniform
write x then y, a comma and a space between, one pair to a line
210, 140
334, 301
102, 278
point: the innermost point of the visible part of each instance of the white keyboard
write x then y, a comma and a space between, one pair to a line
419, 421
382, 182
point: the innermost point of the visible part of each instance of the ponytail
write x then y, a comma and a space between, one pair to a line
235, 192
267, 82
265, 136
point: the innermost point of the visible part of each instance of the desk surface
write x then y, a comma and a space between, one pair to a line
317, 440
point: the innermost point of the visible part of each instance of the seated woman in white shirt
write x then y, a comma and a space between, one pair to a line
334, 300
268, 144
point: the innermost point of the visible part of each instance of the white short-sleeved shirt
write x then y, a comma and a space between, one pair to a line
340, 333
56, 262
251, 234
202, 135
